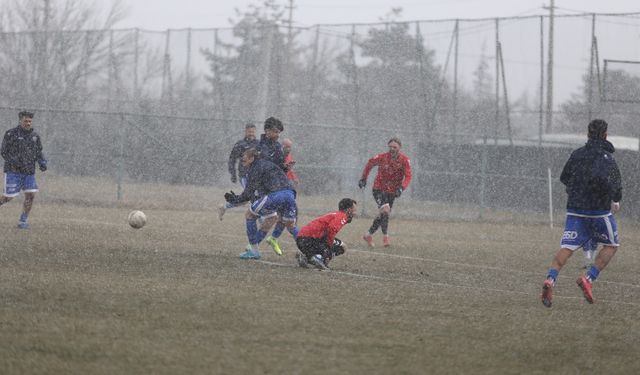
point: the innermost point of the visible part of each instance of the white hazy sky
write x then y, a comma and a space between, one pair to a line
177, 14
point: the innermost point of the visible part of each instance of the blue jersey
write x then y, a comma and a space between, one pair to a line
21, 149
592, 179
263, 178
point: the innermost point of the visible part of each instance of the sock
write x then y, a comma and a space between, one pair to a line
277, 231
553, 274
375, 225
294, 231
384, 224
24, 217
260, 236
252, 231
255, 247
592, 273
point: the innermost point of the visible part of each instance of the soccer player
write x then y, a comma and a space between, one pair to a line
394, 176
289, 162
21, 149
239, 147
317, 240
269, 148
594, 190
276, 198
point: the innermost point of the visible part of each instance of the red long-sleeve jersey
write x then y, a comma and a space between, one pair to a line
326, 226
392, 173
291, 175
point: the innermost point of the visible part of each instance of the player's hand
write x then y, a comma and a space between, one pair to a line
399, 192
43, 165
234, 178
230, 197
615, 206
362, 183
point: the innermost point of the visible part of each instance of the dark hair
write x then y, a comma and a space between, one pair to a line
251, 151
597, 128
250, 125
396, 140
346, 203
273, 123
25, 114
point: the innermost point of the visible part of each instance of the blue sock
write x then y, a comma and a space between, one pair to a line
252, 231
593, 273
277, 231
553, 274
24, 217
260, 235
294, 232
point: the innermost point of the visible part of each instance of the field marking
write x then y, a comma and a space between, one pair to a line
446, 285
406, 257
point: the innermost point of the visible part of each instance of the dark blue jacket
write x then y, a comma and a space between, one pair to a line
592, 178
21, 149
236, 153
272, 150
264, 177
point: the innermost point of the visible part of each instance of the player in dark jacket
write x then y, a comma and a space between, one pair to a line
276, 199
594, 190
317, 240
249, 141
21, 149
269, 147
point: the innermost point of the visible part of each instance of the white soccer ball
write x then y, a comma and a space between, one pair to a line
137, 219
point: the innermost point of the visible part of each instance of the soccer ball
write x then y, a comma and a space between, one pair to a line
137, 219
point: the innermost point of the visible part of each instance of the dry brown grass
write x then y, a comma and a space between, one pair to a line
82, 293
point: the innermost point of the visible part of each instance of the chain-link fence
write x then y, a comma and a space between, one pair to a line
167, 106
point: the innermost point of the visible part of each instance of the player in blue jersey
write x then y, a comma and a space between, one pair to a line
594, 191
276, 199
21, 149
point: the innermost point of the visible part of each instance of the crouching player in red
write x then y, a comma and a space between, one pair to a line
317, 240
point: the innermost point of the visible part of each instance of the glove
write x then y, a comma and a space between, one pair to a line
362, 183
43, 165
234, 178
398, 192
338, 247
230, 197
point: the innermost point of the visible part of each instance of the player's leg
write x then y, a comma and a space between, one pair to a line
11, 187
589, 249
386, 214
288, 213
602, 227
575, 235
368, 236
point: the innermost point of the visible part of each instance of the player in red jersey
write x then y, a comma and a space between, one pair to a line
317, 240
394, 176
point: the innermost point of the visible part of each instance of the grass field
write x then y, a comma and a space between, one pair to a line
82, 293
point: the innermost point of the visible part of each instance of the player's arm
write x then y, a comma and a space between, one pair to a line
615, 182
335, 225
367, 168
7, 149
407, 174
568, 171
233, 157
42, 161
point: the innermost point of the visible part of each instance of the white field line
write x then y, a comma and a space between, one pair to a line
406, 257
447, 285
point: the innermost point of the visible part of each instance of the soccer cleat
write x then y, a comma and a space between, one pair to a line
221, 210
585, 285
386, 241
23, 225
250, 254
369, 239
302, 260
274, 245
547, 292
317, 261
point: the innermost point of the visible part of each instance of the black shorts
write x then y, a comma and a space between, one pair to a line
383, 198
311, 246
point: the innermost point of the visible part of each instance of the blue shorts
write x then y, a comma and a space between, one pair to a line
281, 203
579, 230
15, 182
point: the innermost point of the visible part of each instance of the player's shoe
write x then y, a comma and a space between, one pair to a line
369, 239
547, 292
585, 285
318, 262
302, 260
221, 210
23, 225
386, 241
274, 244
250, 254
